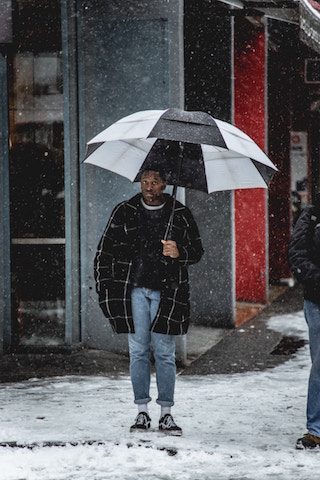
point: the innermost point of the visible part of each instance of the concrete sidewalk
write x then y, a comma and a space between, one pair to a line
210, 350
252, 346
202, 339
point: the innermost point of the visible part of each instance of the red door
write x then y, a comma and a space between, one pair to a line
250, 205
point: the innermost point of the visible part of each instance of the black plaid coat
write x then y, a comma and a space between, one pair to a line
113, 264
304, 253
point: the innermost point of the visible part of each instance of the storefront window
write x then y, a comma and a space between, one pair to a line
37, 174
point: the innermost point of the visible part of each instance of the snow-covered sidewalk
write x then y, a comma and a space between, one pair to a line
241, 426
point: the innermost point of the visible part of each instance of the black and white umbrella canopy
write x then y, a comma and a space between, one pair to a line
194, 150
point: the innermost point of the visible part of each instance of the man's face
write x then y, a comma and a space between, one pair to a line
152, 187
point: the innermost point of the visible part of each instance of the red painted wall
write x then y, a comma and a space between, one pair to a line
250, 205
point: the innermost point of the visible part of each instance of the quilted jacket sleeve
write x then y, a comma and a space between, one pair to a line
107, 250
190, 249
303, 258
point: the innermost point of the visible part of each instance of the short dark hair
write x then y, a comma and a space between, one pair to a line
154, 168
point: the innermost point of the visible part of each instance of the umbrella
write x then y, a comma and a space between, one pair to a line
194, 149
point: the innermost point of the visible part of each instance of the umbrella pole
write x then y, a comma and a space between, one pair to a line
167, 235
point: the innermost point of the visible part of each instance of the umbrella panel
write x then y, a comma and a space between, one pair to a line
186, 116
232, 174
164, 157
122, 157
188, 132
91, 148
265, 171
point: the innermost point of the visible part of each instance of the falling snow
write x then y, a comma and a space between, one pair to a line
240, 426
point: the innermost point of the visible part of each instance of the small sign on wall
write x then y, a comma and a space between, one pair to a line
299, 172
299, 159
312, 70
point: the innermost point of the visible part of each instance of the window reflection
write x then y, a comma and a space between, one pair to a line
37, 175
37, 191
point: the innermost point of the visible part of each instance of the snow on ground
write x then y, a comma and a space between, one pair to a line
241, 426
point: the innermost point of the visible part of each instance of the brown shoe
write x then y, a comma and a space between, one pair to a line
308, 441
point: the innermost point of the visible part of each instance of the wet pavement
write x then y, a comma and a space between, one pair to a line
250, 346
253, 346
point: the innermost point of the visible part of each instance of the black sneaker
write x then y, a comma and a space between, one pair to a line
142, 422
168, 426
308, 441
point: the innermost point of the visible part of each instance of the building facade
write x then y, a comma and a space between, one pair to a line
70, 68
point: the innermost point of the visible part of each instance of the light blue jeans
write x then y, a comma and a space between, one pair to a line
145, 303
312, 315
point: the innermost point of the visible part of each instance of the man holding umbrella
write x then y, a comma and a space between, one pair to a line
142, 282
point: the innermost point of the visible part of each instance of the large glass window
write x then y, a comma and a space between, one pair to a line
37, 174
